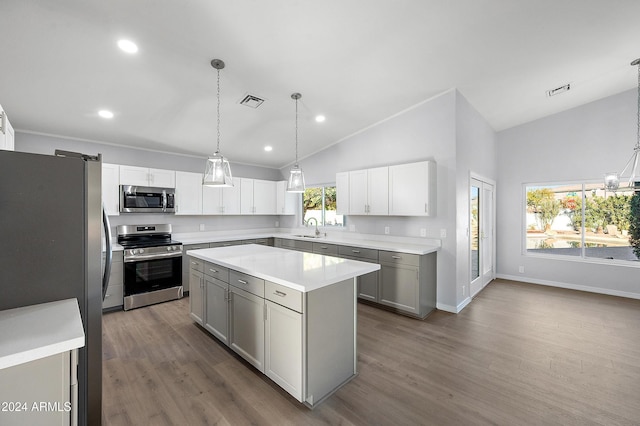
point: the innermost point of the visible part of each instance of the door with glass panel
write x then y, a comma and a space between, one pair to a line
481, 234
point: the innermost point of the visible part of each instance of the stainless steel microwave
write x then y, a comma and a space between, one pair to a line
144, 199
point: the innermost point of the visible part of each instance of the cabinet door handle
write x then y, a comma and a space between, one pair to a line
213, 270
280, 293
194, 263
396, 257
324, 247
355, 251
243, 282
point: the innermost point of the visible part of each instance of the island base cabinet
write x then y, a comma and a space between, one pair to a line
246, 326
196, 295
283, 348
330, 339
216, 319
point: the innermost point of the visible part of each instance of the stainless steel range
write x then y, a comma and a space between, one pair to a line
152, 264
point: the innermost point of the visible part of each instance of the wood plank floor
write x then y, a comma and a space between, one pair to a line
519, 354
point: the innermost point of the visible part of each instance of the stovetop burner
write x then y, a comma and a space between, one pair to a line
138, 236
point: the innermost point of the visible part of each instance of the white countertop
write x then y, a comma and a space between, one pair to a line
400, 245
294, 269
37, 331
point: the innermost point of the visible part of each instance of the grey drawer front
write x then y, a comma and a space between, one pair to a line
323, 248
216, 271
196, 264
247, 282
400, 258
285, 296
358, 252
297, 245
195, 247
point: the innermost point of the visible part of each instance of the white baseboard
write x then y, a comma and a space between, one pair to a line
598, 290
454, 309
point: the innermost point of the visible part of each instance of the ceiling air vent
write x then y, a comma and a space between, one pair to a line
559, 90
251, 101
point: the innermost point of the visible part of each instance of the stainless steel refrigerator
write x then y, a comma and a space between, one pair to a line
51, 228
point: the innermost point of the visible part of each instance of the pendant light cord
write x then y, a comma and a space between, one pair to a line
218, 125
297, 128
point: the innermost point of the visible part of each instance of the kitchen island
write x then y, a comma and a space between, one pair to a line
292, 315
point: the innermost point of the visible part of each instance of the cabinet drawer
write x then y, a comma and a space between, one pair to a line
400, 258
358, 252
285, 296
216, 271
247, 283
297, 245
323, 248
196, 264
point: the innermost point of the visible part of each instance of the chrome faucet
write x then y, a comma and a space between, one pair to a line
317, 230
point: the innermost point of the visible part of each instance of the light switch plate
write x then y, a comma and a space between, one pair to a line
443, 233
386, 230
423, 232
202, 226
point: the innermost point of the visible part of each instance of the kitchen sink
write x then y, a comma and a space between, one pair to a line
307, 236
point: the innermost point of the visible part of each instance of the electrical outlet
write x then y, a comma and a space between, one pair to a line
521, 269
443, 233
386, 230
352, 228
423, 232
202, 226
277, 224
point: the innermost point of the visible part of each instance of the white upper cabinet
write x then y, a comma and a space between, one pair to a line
412, 189
285, 201
142, 176
368, 191
221, 200
7, 134
188, 193
342, 193
111, 188
257, 196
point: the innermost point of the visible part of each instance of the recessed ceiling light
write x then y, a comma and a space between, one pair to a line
127, 46
320, 118
268, 148
105, 113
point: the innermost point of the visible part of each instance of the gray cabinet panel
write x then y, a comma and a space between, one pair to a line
186, 265
216, 319
400, 288
246, 334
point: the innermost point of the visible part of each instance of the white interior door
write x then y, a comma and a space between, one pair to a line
481, 234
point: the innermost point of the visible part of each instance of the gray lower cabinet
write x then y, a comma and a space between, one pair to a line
295, 244
196, 294
246, 326
408, 282
283, 349
368, 283
114, 296
186, 266
324, 248
216, 319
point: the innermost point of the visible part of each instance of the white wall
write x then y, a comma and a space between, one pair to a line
580, 144
476, 146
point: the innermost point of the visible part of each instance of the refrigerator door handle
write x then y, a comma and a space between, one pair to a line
108, 251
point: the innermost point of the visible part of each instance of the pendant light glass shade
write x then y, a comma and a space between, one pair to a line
296, 177
296, 180
612, 180
218, 170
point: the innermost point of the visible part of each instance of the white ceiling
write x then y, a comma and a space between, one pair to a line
355, 61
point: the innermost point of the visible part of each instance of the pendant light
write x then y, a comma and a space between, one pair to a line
218, 170
296, 177
612, 180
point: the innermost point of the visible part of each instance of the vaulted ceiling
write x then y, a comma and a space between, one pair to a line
354, 61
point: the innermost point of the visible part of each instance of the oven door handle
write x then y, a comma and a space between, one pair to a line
138, 258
